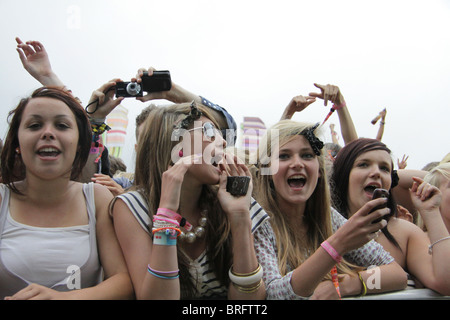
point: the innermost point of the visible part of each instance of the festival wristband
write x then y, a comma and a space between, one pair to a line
331, 251
163, 238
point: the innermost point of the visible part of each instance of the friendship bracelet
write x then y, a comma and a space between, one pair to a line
430, 247
331, 251
166, 230
255, 277
334, 278
161, 276
364, 289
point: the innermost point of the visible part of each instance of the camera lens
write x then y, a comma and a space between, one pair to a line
133, 88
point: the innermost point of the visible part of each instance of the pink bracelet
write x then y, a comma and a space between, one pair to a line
163, 218
331, 251
339, 106
173, 215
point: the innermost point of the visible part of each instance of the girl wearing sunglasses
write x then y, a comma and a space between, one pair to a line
182, 233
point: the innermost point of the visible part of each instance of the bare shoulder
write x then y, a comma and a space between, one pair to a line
103, 198
402, 225
408, 231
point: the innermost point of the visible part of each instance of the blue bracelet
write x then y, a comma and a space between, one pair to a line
161, 276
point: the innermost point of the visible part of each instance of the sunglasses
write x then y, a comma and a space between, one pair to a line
209, 131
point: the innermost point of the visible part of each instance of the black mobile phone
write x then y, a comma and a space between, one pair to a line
379, 193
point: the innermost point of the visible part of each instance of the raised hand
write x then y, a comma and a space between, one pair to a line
328, 93
35, 60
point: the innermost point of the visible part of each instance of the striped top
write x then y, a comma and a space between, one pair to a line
207, 285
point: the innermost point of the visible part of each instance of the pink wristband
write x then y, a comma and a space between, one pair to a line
331, 251
173, 215
339, 106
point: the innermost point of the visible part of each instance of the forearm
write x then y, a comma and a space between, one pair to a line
386, 278
178, 94
163, 258
440, 251
50, 79
348, 129
244, 262
310, 273
117, 287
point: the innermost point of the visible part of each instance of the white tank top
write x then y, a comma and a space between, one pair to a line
47, 256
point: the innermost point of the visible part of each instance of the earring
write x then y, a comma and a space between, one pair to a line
18, 150
180, 153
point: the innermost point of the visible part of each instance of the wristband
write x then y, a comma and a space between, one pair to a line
339, 106
173, 215
331, 251
163, 238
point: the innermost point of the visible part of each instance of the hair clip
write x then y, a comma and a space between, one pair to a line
193, 115
316, 143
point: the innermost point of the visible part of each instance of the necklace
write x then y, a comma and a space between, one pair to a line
190, 235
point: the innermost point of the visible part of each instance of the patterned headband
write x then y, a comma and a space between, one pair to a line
316, 143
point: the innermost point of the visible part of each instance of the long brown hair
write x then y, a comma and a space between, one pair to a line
153, 158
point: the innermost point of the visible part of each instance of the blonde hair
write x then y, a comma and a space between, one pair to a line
293, 251
435, 177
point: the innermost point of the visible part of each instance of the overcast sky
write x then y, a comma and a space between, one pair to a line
252, 57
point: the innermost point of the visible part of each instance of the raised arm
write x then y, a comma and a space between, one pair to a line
333, 94
35, 60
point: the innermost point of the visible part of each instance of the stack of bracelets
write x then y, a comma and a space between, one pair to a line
247, 282
166, 227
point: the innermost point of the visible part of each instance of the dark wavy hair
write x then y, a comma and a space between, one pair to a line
12, 166
339, 180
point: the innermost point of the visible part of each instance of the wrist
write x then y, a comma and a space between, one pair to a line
351, 286
337, 243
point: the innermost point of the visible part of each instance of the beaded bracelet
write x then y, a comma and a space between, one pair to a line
167, 230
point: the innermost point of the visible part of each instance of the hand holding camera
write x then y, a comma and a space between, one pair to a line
148, 81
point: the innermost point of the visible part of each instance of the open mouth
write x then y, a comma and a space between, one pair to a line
48, 152
369, 189
216, 160
296, 181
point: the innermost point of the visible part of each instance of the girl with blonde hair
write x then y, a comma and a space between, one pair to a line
306, 238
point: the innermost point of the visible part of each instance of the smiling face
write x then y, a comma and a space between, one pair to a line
48, 138
298, 172
370, 170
